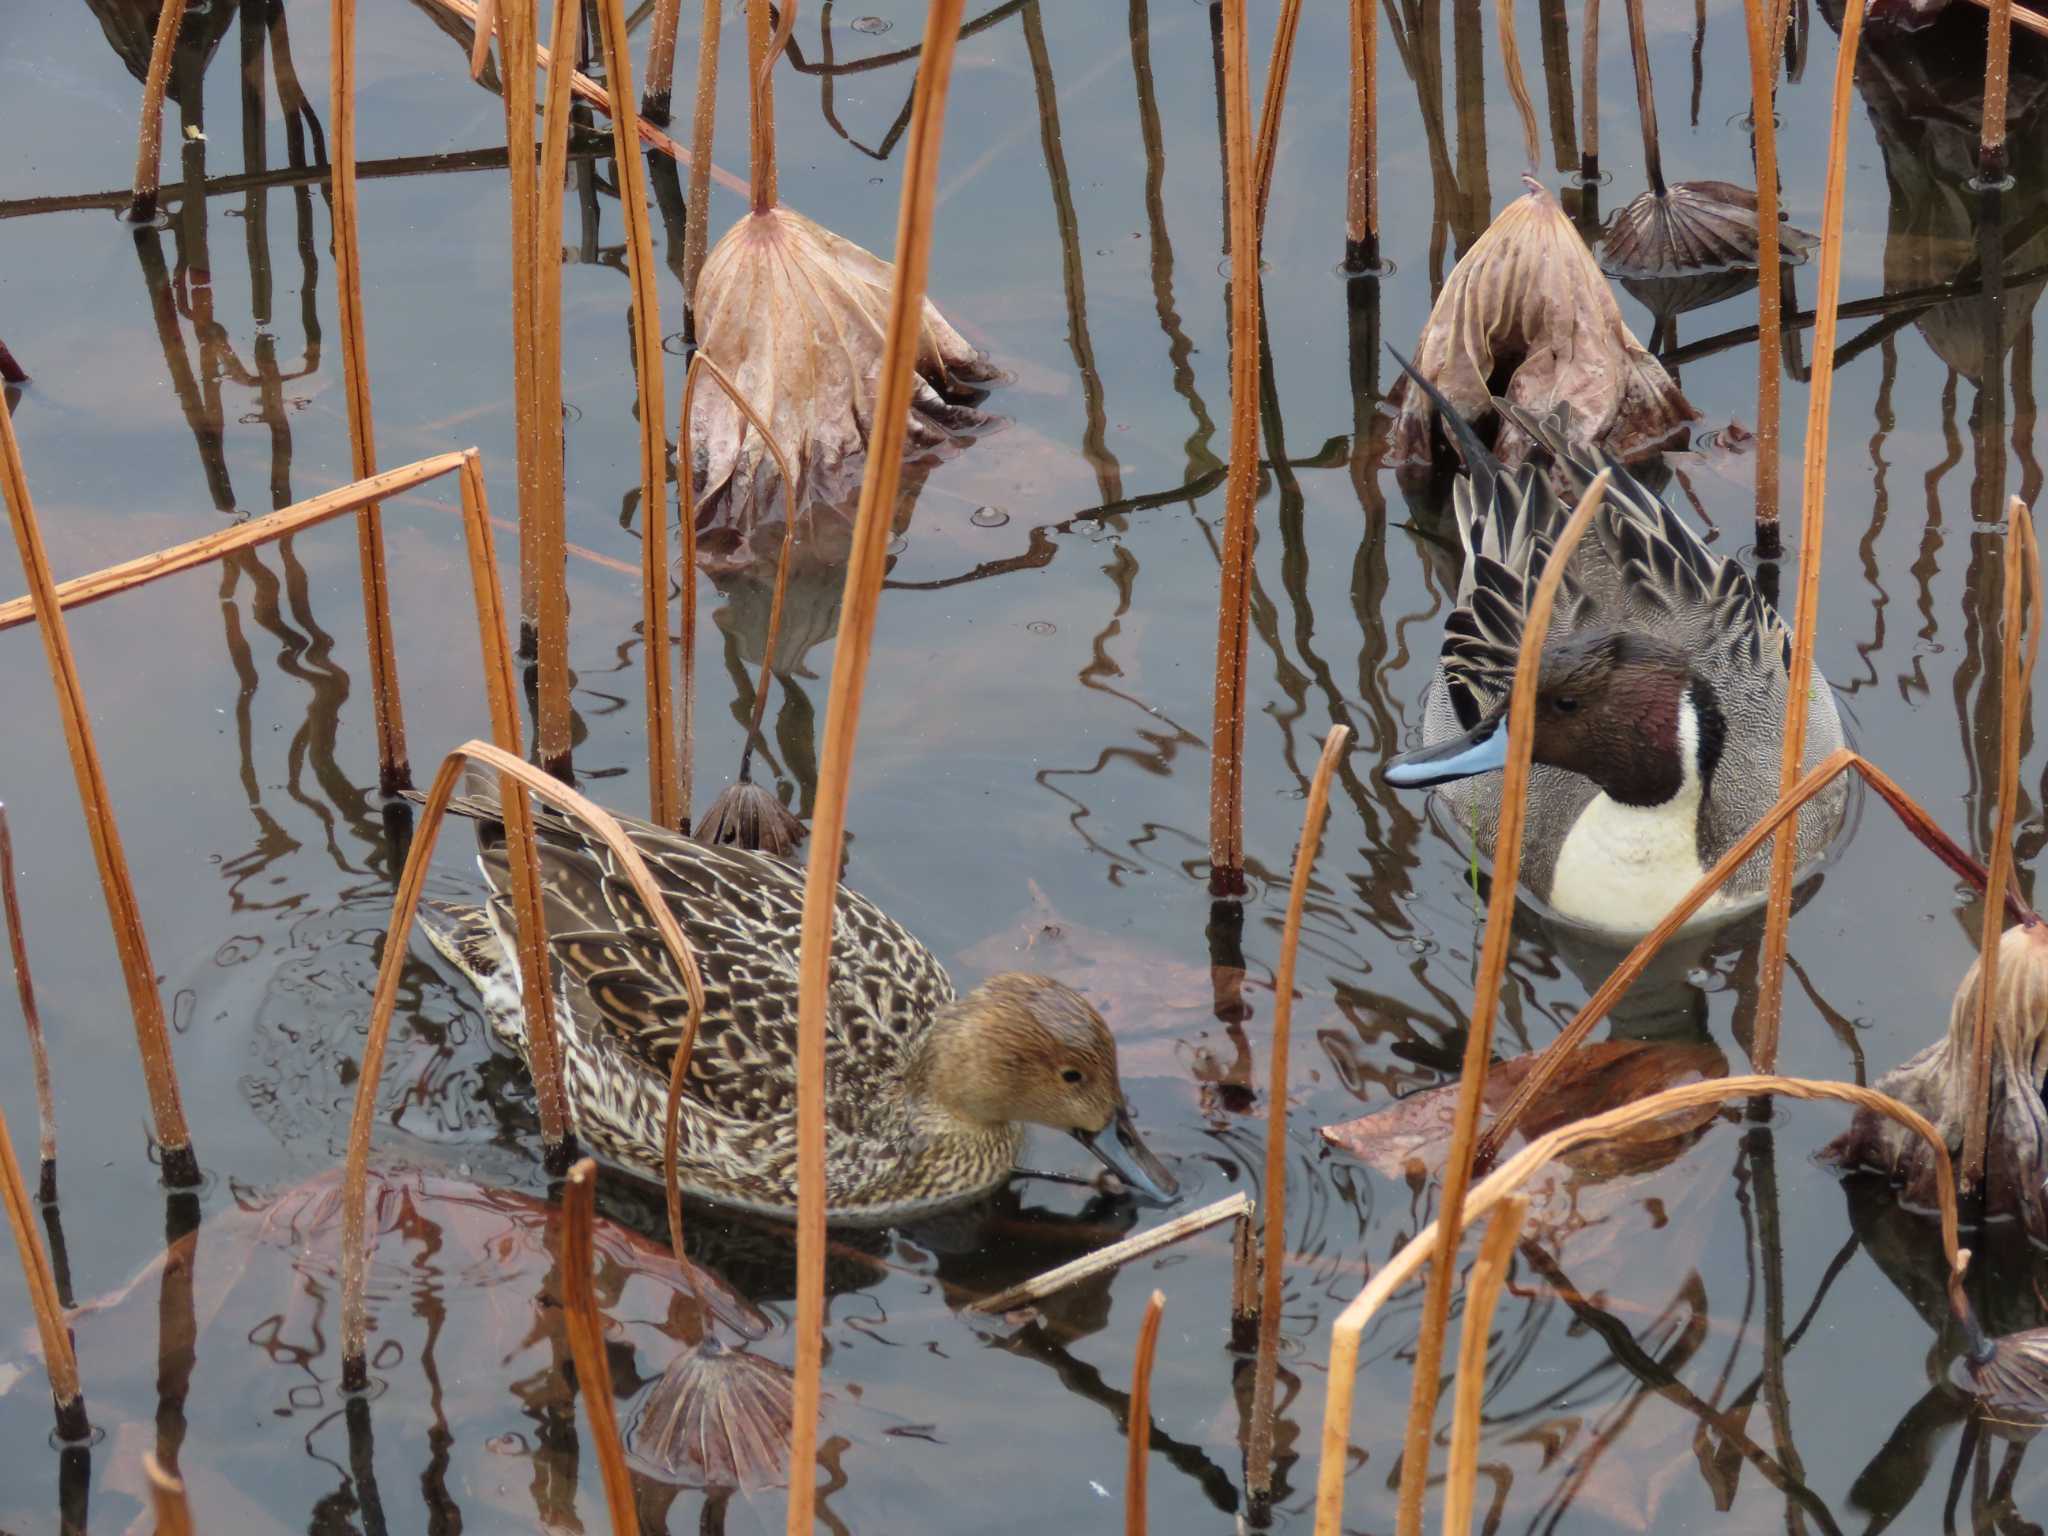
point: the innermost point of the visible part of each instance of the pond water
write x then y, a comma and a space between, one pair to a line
1032, 779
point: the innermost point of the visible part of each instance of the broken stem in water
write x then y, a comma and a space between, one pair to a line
1589, 99
1138, 1436
548, 510
1991, 146
149, 137
1763, 53
31, 1019
58, 1360
1482, 1294
586, 1327
661, 61
1646, 97
1812, 526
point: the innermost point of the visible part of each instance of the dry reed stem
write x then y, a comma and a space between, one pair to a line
1138, 1434
167, 1498
703, 126
1278, 69
862, 594
548, 509
1259, 1468
1589, 97
588, 90
1613, 1125
664, 788
661, 60
1991, 155
1493, 960
138, 973
1911, 815
2022, 593
149, 136
486, 25
516, 39
1763, 52
1482, 1293
31, 1019
586, 1327
1518, 86
58, 1359
1812, 527
519, 777
761, 53
1237, 1207
1362, 181
394, 770
1241, 485
2031, 20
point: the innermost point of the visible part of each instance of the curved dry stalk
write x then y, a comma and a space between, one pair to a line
1518, 86
58, 1360
586, 1338
486, 25
547, 510
394, 769
1482, 1293
1259, 1459
1763, 100
703, 125
664, 783
1275, 103
762, 51
149, 137
31, 1019
1812, 527
138, 974
513, 773
1362, 181
1241, 485
1138, 1437
2022, 592
166, 1498
862, 592
1615, 1124
1493, 961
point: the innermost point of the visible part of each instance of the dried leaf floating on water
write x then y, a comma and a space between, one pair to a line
1937, 1083
1695, 227
718, 1415
1527, 314
795, 316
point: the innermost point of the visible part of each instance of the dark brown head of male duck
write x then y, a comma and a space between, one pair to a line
1621, 707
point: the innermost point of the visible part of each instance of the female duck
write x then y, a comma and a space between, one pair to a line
924, 1091
1659, 705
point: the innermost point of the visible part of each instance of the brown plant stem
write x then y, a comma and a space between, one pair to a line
1482, 1294
518, 778
1763, 55
1518, 85
761, 53
516, 42
703, 126
58, 1360
1646, 95
1910, 814
1589, 98
585, 1326
1275, 103
1812, 526
1991, 146
138, 973
31, 1019
149, 137
1138, 1437
1240, 491
1362, 179
1259, 1462
1613, 1125
394, 770
485, 27
166, 1498
661, 61
664, 787
2016, 675
1493, 959
548, 510
1101, 1261
862, 592
2032, 20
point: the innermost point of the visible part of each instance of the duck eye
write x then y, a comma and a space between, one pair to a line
1071, 1075
1565, 705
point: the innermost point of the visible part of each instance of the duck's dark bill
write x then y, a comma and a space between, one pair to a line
1483, 749
1118, 1147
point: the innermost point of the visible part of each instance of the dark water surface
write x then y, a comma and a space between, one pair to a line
1033, 771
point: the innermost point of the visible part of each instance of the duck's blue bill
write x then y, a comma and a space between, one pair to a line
1483, 749
1118, 1147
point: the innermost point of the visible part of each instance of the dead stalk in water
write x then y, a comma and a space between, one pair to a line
1763, 98
31, 1019
1362, 181
1259, 1462
1271, 108
1589, 100
547, 510
664, 788
1482, 1293
1812, 526
1237, 1207
1518, 86
519, 777
1245, 1289
1493, 960
138, 973
1613, 1125
1241, 487
586, 1329
1991, 148
661, 61
703, 125
58, 1359
1911, 816
762, 51
862, 593
2022, 598
1138, 1437
166, 1498
149, 138
2030, 20
394, 770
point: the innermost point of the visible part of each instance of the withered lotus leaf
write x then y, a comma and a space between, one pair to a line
1696, 226
1528, 314
796, 317
1937, 1083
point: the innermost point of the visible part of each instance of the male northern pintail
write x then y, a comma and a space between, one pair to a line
924, 1090
1660, 704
